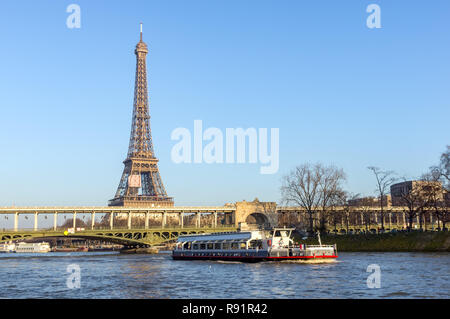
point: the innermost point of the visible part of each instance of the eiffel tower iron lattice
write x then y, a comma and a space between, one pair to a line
141, 184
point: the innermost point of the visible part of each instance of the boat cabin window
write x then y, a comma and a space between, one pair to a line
217, 246
226, 246
255, 244
195, 246
243, 246
202, 246
234, 245
187, 245
210, 246
279, 233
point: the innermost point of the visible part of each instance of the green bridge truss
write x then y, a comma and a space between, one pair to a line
143, 237
127, 237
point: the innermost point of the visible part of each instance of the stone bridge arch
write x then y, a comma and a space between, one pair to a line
257, 218
256, 212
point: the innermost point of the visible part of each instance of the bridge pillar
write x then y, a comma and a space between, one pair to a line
129, 220
198, 222
16, 221
74, 221
35, 221
92, 220
111, 220
163, 220
215, 219
55, 220
182, 220
146, 219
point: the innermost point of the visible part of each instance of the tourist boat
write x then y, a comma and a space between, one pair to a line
33, 247
251, 246
7, 248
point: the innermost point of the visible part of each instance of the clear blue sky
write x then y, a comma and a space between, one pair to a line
339, 92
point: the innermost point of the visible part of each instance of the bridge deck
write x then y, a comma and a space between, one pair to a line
130, 237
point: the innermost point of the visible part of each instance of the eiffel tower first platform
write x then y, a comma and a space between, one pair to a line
141, 184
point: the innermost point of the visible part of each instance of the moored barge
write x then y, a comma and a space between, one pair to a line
250, 246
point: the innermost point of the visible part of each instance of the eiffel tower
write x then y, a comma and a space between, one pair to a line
141, 184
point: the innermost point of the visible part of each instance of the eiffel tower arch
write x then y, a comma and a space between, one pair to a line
141, 184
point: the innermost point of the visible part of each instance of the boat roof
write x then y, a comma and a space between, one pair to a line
216, 237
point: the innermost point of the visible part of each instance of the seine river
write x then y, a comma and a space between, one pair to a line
108, 275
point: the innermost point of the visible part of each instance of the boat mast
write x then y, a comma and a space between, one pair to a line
318, 236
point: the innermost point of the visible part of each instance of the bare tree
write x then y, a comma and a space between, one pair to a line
435, 196
69, 223
338, 201
330, 187
313, 187
344, 200
442, 171
415, 198
384, 181
442, 212
301, 187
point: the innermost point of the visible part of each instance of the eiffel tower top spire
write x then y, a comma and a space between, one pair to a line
141, 144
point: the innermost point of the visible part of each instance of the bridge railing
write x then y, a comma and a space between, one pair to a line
120, 228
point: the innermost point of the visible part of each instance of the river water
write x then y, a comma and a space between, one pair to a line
112, 275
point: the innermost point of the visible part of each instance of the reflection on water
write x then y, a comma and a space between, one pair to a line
112, 275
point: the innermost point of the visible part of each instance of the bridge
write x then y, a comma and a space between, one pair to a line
136, 226
127, 237
342, 219
137, 230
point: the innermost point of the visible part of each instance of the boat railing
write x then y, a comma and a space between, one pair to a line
318, 246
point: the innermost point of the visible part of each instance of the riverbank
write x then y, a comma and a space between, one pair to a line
389, 242
150, 250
